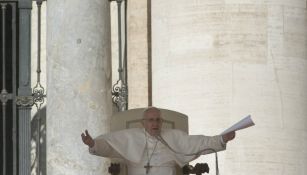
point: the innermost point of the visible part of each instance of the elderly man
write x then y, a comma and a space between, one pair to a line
152, 150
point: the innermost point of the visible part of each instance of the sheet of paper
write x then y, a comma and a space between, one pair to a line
244, 123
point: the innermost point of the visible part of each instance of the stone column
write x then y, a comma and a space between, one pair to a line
78, 83
24, 89
218, 61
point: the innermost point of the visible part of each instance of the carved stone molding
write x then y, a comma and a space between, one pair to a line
25, 101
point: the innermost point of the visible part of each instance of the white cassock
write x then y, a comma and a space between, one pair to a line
139, 149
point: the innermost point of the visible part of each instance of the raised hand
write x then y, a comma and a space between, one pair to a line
229, 136
87, 139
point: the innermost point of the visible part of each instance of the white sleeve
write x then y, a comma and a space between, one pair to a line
213, 142
222, 141
102, 148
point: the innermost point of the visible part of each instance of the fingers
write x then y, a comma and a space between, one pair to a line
85, 136
232, 135
87, 139
86, 132
229, 136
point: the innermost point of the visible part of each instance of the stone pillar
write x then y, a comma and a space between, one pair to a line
24, 89
78, 83
218, 61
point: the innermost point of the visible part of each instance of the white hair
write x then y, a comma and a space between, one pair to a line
150, 108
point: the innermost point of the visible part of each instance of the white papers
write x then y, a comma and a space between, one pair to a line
244, 123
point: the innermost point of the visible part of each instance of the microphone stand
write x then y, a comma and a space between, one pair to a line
160, 138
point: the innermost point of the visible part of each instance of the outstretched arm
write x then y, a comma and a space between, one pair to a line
99, 146
87, 139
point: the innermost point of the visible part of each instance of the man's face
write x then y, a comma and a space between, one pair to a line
152, 122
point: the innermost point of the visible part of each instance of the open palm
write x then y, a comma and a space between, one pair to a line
87, 139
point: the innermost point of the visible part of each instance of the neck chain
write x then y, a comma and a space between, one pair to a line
147, 166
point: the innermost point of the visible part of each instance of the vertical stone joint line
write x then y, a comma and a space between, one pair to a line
149, 45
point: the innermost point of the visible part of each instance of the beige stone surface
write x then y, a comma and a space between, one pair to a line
43, 75
218, 61
137, 51
78, 82
34, 47
216, 32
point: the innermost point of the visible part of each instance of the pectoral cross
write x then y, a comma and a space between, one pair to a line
147, 167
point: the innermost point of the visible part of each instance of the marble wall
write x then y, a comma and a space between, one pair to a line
218, 61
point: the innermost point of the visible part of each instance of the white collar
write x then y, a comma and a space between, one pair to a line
148, 136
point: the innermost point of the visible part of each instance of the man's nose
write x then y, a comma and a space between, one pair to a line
155, 123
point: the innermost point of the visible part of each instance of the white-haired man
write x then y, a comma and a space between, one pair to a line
152, 150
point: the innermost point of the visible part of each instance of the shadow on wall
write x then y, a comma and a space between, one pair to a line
38, 142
